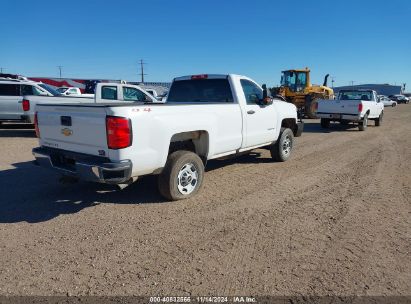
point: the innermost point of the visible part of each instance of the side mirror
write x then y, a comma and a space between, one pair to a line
267, 100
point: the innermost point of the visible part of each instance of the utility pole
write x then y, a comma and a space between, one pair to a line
1, 70
352, 83
142, 63
332, 81
59, 67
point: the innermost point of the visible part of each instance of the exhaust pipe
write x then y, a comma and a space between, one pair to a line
326, 80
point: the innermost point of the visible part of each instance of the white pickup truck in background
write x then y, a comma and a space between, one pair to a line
357, 106
205, 117
72, 91
105, 92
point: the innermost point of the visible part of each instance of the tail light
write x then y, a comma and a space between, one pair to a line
119, 133
26, 105
36, 125
360, 107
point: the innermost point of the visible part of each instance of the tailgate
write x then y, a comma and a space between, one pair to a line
349, 107
77, 128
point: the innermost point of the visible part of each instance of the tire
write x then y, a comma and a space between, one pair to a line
309, 108
378, 121
182, 176
325, 123
281, 150
363, 123
393, 105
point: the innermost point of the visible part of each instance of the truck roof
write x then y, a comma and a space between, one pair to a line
202, 76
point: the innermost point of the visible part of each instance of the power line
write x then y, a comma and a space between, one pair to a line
59, 67
142, 63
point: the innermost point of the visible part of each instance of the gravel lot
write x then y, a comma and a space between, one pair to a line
334, 220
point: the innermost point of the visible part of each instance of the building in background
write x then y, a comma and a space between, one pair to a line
381, 89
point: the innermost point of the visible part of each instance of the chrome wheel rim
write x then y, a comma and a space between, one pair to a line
287, 145
187, 179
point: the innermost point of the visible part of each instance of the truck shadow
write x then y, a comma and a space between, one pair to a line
17, 130
32, 194
334, 127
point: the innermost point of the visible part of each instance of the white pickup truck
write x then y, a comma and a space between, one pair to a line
105, 92
205, 117
72, 91
357, 106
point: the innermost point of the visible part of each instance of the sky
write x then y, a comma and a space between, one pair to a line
360, 41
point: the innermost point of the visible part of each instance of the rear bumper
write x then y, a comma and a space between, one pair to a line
19, 118
300, 129
82, 166
339, 116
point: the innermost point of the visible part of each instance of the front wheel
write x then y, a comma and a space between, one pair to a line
378, 121
281, 150
182, 175
363, 123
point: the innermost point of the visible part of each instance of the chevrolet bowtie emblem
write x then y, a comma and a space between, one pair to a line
66, 132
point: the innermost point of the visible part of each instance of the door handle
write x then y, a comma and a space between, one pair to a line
251, 112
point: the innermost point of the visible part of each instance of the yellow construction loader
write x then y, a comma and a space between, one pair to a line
296, 88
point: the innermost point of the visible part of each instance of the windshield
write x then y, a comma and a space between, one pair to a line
200, 90
356, 95
296, 81
49, 89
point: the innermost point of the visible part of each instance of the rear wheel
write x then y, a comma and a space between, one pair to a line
378, 121
325, 123
182, 175
363, 123
281, 150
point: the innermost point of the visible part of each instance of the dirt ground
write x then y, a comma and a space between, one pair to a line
333, 220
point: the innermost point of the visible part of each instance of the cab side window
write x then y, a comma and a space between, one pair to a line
109, 92
133, 94
253, 94
27, 90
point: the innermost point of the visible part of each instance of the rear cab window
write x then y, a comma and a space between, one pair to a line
216, 90
356, 95
9, 89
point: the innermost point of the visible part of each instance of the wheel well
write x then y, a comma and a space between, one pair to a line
291, 124
194, 141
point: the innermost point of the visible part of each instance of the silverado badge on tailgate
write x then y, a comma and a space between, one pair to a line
66, 131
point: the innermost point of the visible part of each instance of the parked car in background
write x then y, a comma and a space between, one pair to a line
205, 117
12, 92
357, 106
400, 98
387, 102
105, 93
